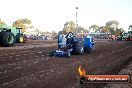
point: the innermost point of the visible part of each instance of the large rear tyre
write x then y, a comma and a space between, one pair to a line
88, 49
79, 48
8, 39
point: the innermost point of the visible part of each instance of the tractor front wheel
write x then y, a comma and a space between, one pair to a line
20, 38
81, 50
68, 54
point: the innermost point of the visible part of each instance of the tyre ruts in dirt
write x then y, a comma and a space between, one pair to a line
74, 61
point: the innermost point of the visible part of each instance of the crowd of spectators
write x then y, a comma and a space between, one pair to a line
39, 37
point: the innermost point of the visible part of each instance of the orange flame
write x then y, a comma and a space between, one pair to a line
81, 71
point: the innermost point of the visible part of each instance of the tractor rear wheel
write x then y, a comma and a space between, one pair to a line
79, 48
8, 39
88, 49
0, 38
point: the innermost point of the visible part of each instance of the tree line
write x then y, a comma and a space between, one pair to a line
111, 27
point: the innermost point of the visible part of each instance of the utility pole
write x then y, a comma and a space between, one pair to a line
76, 21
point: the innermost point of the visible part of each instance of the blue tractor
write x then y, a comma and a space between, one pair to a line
70, 44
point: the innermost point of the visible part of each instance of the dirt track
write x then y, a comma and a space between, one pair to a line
29, 66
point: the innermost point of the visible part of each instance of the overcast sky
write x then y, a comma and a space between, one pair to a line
48, 15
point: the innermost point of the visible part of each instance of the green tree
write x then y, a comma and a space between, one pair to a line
37, 31
2, 22
103, 29
54, 34
31, 27
69, 27
22, 23
112, 26
82, 30
119, 31
130, 28
94, 27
